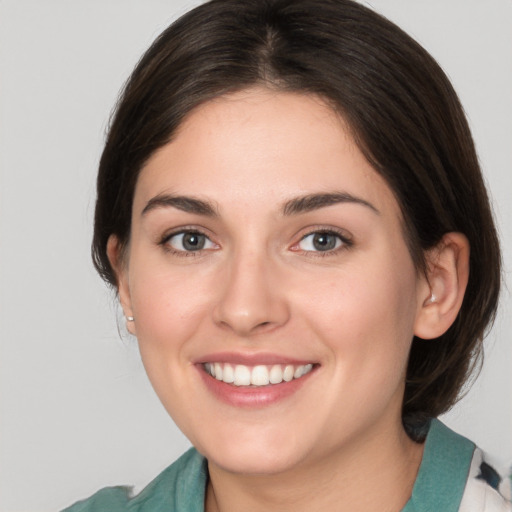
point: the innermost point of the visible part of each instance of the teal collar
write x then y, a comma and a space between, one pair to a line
443, 471
439, 485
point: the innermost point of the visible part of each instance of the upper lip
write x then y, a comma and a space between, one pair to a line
251, 359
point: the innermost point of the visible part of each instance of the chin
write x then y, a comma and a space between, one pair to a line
252, 454
252, 463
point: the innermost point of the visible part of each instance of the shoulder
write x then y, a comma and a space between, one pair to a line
109, 498
455, 476
487, 489
179, 487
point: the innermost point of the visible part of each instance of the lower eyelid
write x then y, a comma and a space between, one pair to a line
210, 244
167, 240
338, 243
343, 241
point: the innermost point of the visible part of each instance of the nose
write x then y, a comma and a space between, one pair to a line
251, 300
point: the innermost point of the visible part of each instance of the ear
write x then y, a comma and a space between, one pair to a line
120, 267
446, 280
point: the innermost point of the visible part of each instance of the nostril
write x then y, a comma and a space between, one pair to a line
249, 307
262, 326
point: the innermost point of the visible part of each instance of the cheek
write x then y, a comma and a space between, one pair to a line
366, 313
170, 308
371, 294
168, 305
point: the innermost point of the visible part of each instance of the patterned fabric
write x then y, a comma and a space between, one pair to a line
486, 490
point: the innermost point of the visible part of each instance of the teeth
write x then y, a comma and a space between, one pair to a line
260, 375
218, 371
228, 374
209, 369
276, 375
288, 373
242, 375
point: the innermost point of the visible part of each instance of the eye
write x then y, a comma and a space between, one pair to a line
321, 241
189, 241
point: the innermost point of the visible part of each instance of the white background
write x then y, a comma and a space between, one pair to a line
77, 412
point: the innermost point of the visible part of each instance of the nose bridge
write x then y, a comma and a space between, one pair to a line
251, 301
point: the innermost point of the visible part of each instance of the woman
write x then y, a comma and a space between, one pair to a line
291, 209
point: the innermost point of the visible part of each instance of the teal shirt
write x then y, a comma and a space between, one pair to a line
181, 487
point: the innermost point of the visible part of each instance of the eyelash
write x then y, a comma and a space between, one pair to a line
346, 243
165, 242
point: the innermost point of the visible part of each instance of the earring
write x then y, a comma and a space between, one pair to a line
432, 299
130, 318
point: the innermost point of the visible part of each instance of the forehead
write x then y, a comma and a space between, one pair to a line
260, 144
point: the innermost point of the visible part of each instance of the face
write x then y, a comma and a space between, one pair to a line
274, 296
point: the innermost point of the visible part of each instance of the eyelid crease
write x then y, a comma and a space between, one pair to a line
345, 237
327, 229
347, 241
164, 242
183, 229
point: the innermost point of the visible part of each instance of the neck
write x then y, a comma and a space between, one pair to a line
377, 473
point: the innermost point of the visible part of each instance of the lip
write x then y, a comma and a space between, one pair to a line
249, 397
250, 359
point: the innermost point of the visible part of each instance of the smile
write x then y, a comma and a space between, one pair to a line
259, 375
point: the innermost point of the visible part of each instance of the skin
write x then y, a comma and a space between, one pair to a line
260, 287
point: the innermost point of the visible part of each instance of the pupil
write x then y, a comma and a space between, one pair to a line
324, 241
193, 241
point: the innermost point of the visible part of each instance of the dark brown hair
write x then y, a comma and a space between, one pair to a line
404, 115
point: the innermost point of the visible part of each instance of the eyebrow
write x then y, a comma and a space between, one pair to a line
184, 203
295, 206
312, 202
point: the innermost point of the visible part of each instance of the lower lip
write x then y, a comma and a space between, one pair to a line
252, 396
